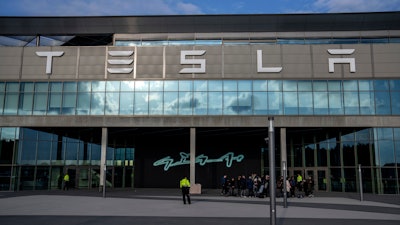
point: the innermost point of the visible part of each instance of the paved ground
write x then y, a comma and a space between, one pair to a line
164, 206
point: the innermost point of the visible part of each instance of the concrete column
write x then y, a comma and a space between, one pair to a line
104, 139
283, 148
194, 187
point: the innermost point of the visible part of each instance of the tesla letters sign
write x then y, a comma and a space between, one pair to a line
193, 63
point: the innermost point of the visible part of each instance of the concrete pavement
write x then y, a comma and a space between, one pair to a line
149, 206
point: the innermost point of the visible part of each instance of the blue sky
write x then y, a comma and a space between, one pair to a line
188, 7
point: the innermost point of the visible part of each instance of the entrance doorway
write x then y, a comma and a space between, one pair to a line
319, 176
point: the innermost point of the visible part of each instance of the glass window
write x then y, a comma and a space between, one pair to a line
2, 87
260, 85
185, 103
244, 85
385, 146
395, 102
98, 86
350, 85
289, 85
113, 86
215, 103
363, 141
200, 103
309, 155
334, 150
260, 103
156, 103
230, 103
185, 85
25, 104
244, 103
319, 86
12, 87
275, 103
389, 181
56, 87
27, 179
274, 85
44, 148
334, 85
128, 86
11, 104
126, 103
95, 151
83, 104
382, 103
337, 180
365, 85
304, 85
230, 85
335, 103
142, 85
97, 103
170, 85
54, 104
348, 149
156, 85
305, 103
40, 104
1, 102
367, 103
322, 153
298, 156
200, 85
351, 103
171, 103
27, 87
68, 103
84, 86
290, 103
320, 103
42, 87
70, 86
215, 85
394, 85
381, 85
27, 149
112, 103
71, 150
141, 103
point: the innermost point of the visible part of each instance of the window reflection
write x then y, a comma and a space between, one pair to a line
240, 97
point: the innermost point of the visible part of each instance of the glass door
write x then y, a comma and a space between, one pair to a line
322, 180
319, 176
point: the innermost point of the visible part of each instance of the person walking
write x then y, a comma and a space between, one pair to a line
66, 181
184, 184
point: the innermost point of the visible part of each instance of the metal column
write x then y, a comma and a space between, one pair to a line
193, 155
103, 160
272, 186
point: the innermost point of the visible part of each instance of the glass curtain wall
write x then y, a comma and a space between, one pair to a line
202, 97
340, 152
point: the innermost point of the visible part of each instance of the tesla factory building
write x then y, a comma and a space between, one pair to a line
141, 101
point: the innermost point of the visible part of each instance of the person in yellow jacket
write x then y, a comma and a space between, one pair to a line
184, 184
66, 181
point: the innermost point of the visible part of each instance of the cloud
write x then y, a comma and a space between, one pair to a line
334, 6
187, 8
99, 8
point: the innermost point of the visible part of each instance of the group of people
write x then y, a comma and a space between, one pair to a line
258, 186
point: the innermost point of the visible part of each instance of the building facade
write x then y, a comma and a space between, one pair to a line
142, 101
